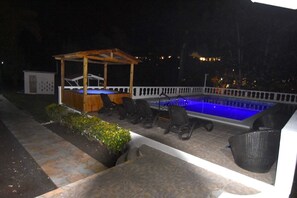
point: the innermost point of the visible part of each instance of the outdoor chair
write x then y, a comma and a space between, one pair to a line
276, 120
255, 151
108, 105
128, 109
145, 114
180, 122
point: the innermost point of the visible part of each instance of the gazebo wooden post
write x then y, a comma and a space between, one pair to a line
85, 81
131, 80
105, 76
62, 78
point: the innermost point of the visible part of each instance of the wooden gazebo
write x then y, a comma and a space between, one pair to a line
85, 102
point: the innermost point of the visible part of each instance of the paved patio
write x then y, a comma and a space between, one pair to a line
211, 146
153, 174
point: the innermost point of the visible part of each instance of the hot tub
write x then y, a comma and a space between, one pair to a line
97, 91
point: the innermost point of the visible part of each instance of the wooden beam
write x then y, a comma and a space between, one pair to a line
131, 79
109, 59
62, 78
90, 61
105, 76
85, 82
128, 57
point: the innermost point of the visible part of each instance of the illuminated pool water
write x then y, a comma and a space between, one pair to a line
234, 109
97, 91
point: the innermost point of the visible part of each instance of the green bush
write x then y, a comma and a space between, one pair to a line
112, 136
56, 112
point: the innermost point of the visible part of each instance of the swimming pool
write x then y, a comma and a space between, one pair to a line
97, 91
217, 108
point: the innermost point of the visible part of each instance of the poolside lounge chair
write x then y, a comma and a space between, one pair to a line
180, 122
145, 114
129, 109
255, 151
108, 105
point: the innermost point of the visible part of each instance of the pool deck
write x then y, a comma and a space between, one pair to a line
210, 146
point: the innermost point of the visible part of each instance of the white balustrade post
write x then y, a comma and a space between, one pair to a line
59, 95
204, 86
275, 96
135, 92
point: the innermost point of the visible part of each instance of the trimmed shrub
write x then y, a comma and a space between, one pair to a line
56, 112
112, 136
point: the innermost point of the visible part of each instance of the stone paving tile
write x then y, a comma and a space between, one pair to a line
210, 146
61, 161
154, 174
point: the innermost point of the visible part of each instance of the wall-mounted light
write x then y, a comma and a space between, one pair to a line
291, 4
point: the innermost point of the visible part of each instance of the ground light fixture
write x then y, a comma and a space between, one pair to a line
291, 4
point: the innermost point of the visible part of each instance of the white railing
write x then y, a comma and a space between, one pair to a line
145, 92
154, 92
252, 94
287, 158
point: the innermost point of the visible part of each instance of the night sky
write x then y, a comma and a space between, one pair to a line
252, 39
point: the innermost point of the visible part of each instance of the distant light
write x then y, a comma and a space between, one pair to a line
162, 57
169, 56
2, 62
291, 4
202, 59
221, 78
233, 69
136, 57
209, 59
178, 68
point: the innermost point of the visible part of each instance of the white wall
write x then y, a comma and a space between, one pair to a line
45, 82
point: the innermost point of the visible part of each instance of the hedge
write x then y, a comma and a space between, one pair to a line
112, 136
